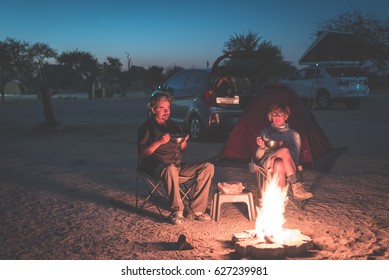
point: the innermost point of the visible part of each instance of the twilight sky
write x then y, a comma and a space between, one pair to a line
171, 32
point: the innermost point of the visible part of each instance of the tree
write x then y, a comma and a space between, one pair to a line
274, 65
171, 70
112, 73
154, 76
14, 60
366, 26
241, 42
84, 63
4, 65
40, 53
136, 76
19, 58
113, 65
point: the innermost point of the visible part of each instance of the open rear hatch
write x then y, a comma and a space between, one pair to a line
234, 79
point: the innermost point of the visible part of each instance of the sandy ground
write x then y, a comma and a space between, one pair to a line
70, 194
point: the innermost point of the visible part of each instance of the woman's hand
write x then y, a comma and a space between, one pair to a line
260, 142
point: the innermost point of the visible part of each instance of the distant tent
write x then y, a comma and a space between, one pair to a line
241, 143
14, 87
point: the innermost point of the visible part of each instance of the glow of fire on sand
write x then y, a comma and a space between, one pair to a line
270, 219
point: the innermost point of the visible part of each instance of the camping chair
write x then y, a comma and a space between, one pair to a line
154, 186
263, 177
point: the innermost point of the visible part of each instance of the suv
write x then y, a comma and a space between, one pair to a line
211, 101
327, 84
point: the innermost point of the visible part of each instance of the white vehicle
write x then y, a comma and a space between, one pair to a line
324, 85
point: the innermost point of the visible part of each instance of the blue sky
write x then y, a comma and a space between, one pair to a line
167, 33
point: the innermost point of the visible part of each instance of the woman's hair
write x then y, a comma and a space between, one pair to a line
279, 108
160, 96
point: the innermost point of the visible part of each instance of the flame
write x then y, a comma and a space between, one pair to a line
270, 217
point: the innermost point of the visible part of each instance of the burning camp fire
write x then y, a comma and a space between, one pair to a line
270, 217
270, 239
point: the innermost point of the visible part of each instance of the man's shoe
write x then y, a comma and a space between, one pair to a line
300, 192
202, 217
177, 218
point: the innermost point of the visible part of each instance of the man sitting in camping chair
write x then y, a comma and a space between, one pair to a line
161, 158
279, 151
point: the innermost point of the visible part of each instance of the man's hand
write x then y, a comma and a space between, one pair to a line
165, 138
184, 143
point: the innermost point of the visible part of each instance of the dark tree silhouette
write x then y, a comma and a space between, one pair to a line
274, 65
40, 52
44, 93
84, 63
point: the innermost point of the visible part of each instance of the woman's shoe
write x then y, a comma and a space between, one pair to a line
202, 217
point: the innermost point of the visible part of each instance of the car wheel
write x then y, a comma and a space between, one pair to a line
323, 100
196, 130
352, 103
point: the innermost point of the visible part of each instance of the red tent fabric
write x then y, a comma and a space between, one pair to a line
241, 143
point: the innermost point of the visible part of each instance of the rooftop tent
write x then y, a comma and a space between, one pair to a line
241, 143
335, 47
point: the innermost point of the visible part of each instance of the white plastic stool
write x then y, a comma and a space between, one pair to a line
220, 198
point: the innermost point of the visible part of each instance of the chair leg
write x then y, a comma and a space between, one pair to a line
251, 206
298, 204
151, 191
185, 190
137, 190
214, 207
153, 187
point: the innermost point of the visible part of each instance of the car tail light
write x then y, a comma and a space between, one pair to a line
210, 98
214, 119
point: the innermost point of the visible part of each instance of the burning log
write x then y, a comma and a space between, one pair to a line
268, 239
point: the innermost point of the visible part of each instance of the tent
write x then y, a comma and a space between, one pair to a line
335, 47
14, 87
241, 143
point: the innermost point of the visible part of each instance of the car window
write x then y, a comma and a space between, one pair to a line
193, 81
205, 79
345, 71
240, 62
298, 75
177, 82
312, 74
243, 85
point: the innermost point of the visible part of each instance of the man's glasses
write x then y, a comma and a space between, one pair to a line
277, 115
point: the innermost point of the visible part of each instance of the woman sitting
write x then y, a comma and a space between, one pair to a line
283, 160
